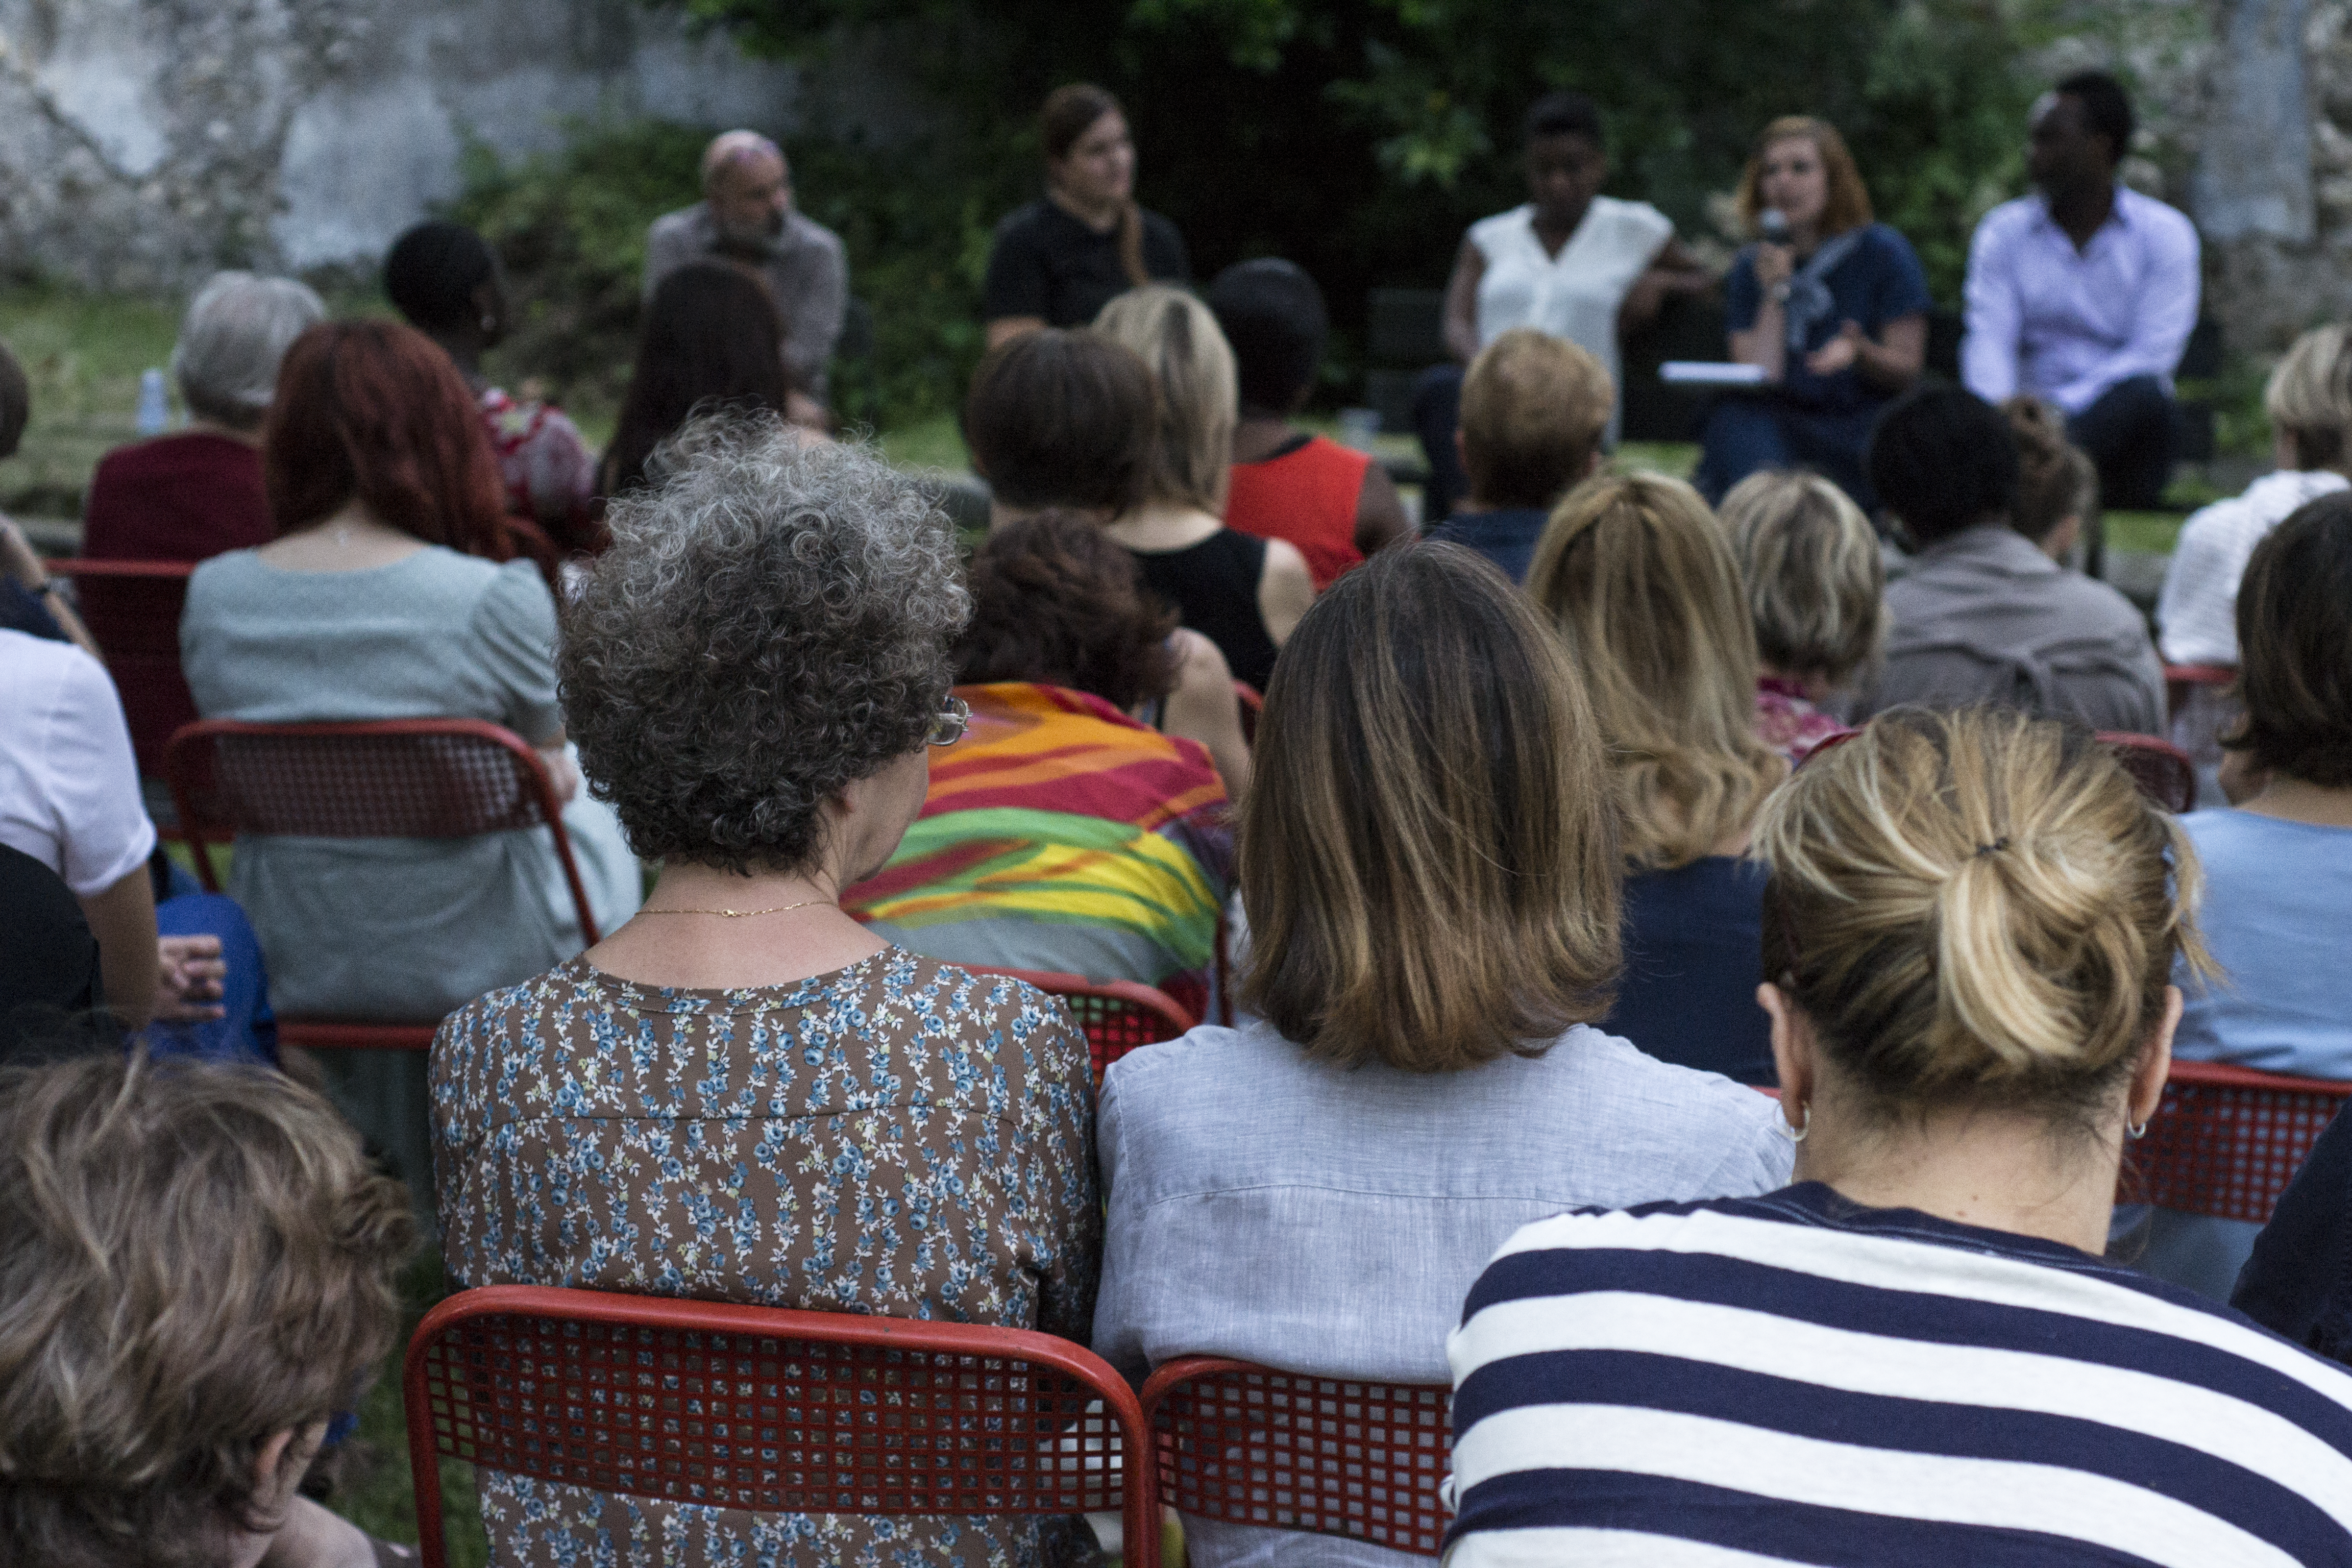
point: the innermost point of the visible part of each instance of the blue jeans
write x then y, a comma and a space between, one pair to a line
248, 1031
1747, 435
1436, 415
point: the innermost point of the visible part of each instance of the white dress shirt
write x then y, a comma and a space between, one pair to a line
2046, 317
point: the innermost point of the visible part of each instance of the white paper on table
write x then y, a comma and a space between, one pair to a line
1710, 372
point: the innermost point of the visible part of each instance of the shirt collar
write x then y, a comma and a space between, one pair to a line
2119, 215
1991, 542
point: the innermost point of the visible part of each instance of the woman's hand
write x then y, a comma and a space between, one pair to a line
1839, 353
189, 973
1774, 265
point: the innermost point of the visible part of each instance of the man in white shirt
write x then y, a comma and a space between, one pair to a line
2085, 293
746, 217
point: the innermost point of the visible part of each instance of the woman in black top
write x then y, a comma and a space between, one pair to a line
1058, 261
1242, 592
711, 335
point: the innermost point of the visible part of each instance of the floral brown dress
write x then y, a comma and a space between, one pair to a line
900, 1137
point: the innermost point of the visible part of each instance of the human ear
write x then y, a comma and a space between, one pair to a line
2155, 1064
1792, 1053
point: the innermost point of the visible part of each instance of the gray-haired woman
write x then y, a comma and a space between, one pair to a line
743, 1094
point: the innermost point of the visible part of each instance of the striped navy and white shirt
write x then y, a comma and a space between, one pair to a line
1797, 1379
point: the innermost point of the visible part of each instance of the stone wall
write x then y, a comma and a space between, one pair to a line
152, 141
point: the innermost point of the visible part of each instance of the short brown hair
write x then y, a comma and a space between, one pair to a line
1815, 579
1976, 908
1635, 572
1058, 418
1848, 206
1054, 601
1533, 408
194, 1258
2294, 639
2055, 479
1428, 855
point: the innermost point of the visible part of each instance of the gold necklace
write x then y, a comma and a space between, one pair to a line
739, 914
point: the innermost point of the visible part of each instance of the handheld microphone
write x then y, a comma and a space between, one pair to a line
1772, 227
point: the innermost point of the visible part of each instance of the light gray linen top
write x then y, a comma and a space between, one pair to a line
1328, 1220
1985, 616
399, 928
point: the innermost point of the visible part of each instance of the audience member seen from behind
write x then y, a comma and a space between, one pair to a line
1064, 834
1635, 573
757, 670
1533, 408
1429, 864
69, 800
2057, 483
710, 336
1970, 929
2298, 1282
1242, 592
2085, 292
31, 601
1816, 587
383, 598
446, 280
1063, 422
1984, 614
52, 991
2308, 401
190, 495
200, 1268
1057, 261
746, 220
1570, 262
1336, 504
1833, 308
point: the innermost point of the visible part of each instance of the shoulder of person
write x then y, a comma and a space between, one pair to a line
1884, 239
1172, 1079
1637, 217
807, 230
671, 226
1023, 220
2009, 218
992, 1006
28, 657
1486, 231
2160, 215
1159, 225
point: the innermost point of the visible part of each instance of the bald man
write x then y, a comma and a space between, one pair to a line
746, 217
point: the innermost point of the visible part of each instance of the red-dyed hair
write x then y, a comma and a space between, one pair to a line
376, 410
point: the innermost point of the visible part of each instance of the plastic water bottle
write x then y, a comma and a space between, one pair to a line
155, 408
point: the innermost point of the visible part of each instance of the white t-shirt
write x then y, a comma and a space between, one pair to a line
2198, 609
1576, 294
68, 787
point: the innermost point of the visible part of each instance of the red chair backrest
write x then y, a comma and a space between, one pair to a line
2180, 679
771, 1410
2226, 1141
133, 610
1117, 1014
399, 778
2162, 770
1252, 706
1250, 1444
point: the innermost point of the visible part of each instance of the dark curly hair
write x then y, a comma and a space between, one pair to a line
771, 623
2294, 639
1054, 601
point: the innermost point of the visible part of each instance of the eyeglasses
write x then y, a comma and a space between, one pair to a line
949, 725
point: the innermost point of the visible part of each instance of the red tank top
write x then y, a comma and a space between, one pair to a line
1306, 496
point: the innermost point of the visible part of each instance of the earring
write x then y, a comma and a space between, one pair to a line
1796, 1134
489, 323
2136, 1129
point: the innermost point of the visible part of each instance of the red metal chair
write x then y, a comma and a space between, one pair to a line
772, 1411
1252, 706
2162, 770
1117, 1014
133, 610
1249, 1445
2182, 680
400, 778
2225, 1140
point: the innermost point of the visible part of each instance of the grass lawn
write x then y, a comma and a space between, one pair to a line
375, 1493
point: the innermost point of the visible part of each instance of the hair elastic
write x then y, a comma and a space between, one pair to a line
1995, 847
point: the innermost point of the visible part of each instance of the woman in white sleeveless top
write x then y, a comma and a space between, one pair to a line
1570, 262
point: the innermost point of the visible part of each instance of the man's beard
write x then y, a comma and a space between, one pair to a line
755, 243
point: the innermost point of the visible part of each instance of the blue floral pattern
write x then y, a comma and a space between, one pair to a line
901, 1137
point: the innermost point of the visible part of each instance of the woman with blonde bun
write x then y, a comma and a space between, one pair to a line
1635, 574
1916, 1353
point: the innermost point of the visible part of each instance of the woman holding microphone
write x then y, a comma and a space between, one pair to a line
1833, 308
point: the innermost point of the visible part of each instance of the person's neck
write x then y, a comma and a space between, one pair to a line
1162, 525
2080, 209
2004, 1170
787, 926
464, 350
1259, 435
1555, 229
200, 426
2291, 799
1099, 216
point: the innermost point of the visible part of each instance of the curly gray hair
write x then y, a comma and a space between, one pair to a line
771, 623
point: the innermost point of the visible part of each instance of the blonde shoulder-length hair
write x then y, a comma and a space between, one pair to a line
1637, 575
1849, 199
1192, 367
